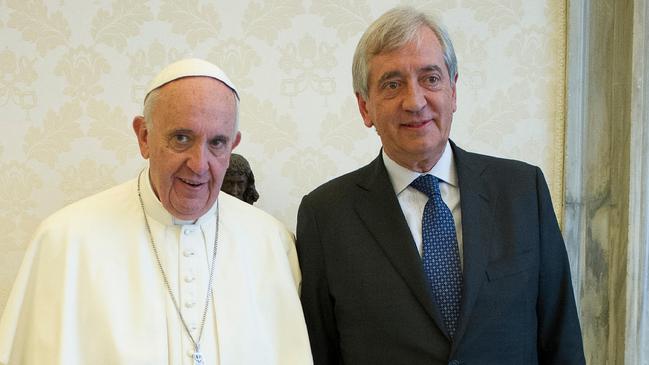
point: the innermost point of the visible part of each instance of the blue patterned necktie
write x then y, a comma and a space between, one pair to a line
440, 253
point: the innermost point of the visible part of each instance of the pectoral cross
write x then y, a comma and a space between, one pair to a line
198, 356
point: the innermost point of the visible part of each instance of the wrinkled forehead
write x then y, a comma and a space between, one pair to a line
197, 104
193, 95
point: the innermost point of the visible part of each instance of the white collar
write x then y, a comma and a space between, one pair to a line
157, 211
401, 177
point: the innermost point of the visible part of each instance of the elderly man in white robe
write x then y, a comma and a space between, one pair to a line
163, 269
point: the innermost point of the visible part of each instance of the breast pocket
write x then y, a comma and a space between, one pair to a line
507, 298
510, 266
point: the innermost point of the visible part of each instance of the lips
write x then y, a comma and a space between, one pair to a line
417, 124
191, 183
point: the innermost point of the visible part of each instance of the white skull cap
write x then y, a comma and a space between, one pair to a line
190, 67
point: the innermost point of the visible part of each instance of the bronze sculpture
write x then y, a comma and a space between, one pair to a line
239, 180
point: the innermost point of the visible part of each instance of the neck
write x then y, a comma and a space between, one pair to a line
418, 164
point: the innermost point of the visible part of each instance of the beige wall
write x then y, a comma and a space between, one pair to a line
72, 75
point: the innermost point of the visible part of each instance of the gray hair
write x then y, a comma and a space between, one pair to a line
392, 30
152, 98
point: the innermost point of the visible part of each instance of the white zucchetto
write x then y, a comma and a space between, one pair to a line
190, 67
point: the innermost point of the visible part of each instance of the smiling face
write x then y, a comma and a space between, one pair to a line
189, 144
411, 100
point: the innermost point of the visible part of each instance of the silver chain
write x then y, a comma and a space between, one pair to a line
164, 275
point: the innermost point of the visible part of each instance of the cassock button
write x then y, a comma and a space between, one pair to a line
188, 253
189, 304
188, 231
190, 353
189, 278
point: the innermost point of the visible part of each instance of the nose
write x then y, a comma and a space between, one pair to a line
414, 99
197, 159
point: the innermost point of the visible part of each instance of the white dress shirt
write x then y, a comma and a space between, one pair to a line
413, 201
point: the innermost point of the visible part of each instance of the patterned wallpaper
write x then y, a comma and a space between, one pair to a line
72, 75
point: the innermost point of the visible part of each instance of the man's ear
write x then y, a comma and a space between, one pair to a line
454, 96
362, 107
142, 133
237, 140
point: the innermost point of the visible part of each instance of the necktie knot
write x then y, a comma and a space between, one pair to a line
427, 184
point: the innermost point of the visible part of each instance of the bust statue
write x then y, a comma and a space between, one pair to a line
239, 180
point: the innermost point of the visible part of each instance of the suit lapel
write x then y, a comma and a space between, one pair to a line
477, 231
379, 209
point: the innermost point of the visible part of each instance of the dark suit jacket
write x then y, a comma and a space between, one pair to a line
365, 296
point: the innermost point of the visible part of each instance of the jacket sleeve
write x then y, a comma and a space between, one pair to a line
317, 303
559, 333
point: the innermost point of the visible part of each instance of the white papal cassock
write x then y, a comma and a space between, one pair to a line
90, 292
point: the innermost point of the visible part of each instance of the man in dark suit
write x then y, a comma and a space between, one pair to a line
392, 274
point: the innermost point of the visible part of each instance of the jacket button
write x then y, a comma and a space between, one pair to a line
454, 362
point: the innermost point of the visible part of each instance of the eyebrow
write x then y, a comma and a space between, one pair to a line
219, 138
392, 74
431, 68
179, 131
388, 75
